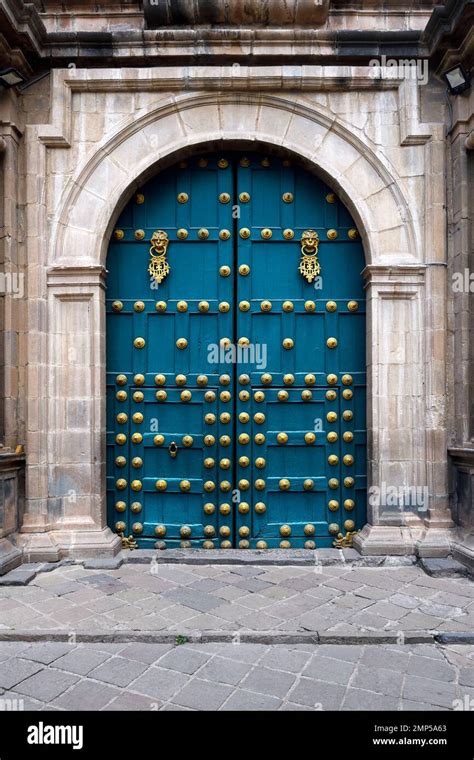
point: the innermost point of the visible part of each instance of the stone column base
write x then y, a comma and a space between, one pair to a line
436, 542
10, 556
463, 551
74, 544
387, 540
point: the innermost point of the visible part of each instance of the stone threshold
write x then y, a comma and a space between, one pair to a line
438, 568
240, 637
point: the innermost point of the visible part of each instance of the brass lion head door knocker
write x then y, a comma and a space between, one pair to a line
159, 268
309, 266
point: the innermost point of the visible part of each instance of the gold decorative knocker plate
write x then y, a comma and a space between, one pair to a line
309, 266
159, 267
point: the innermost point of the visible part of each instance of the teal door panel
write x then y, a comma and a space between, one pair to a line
235, 388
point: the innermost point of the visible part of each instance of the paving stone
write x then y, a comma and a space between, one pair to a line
46, 652
466, 676
349, 653
420, 706
403, 600
419, 689
206, 585
118, 671
87, 695
358, 699
19, 702
253, 584
431, 668
317, 694
329, 669
146, 653
12, 649
17, 577
388, 610
183, 659
282, 658
247, 653
379, 680
223, 670
81, 661
15, 670
196, 600
47, 684
246, 701
385, 658
128, 702
159, 683
201, 695
275, 683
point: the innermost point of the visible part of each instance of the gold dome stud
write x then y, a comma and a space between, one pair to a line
347, 415
285, 530
210, 396
117, 306
349, 482
309, 306
203, 307
288, 343
225, 418
137, 528
244, 439
331, 234
333, 483
182, 197
347, 380
137, 462
244, 418
259, 396
288, 234
122, 418
120, 526
224, 271
331, 379
136, 485
332, 437
225, 396
349, 504
224, 234
120, 506
209, 508
309, 438
202, 163
208, 545
261, 545
182, 306
245, 162
349, 525
309, 530
333, 529
209, 531
202, 380
331, 417
161, 395
225, 509
245, 233
225, 464
137, 438
222, 163
160, 531
244, 531
139, 342
260, 508
348, 460
159, 440
244, 270
266, 378
203, 233
331, 395
244, 544
288, 306
284, 484
244, 197
121, 484
120, 439
347, 394
181, 343
283, 395
306, 395
224, 530
121, 380
185, 531
288, 197
226, 545
309, 545
209, 463
161, 306
331, 343
259, 439
182, 234
310, 379
119, 234
333, 460
187, 441
244, 461
244, 379
138, 306
244, 395
224, 380
121, 396
259, 418
266, 306
224, 198
225, 440
308, 484
288, 379
139, 379
352, 306
331, 198
161, 485
331, 306
181, 380
209, 486
186, 396
160, 379
244, 306
265, 162
333, 505
348, 437
260, 463
260, 484
282, 438
139, 234
243, 341
353, 234
266, 233
138, 397
224, 307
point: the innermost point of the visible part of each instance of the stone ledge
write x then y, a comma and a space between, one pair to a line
443, 567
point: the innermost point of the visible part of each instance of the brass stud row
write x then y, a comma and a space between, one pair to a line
203, 306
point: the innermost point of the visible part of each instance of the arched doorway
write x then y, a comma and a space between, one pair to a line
236, 385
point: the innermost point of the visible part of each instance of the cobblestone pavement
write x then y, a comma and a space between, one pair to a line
343, 600
61, 676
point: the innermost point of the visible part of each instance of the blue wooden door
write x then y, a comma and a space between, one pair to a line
236, 385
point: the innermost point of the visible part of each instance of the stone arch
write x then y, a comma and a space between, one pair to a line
366, 183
